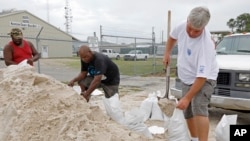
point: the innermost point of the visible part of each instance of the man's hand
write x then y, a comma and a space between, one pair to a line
86, 96
71, 83
30, 61
183, 103
166, 60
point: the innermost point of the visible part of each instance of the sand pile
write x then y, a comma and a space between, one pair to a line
36, 107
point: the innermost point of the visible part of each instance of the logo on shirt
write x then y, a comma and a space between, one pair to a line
201, 69
91, 70
189, 52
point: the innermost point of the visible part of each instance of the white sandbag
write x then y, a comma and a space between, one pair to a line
146, 107
113, 108
134, 116
95, 92
157, 114
223, 127
151, 108
156, 130
23, 63
134, 122
177, 127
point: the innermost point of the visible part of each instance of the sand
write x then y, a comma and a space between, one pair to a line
37, 107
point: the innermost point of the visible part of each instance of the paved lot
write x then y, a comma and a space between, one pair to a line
64, 73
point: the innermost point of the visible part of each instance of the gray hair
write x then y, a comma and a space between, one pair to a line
199, 17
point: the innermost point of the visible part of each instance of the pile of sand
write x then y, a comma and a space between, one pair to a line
36, 107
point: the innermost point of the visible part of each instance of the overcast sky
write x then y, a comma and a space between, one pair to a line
121, 16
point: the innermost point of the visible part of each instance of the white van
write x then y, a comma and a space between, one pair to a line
233, 82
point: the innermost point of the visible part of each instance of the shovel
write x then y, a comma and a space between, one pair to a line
167, 82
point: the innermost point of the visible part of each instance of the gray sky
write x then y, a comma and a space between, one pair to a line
123, 16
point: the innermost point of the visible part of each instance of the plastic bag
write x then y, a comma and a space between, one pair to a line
223, 127
23, 63
113, 108
177, 127
156, 114
146, 107
151, 109
134, 121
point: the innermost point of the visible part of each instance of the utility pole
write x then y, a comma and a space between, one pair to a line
68, 17
48, 11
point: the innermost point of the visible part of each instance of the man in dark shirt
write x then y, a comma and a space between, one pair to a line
97, 70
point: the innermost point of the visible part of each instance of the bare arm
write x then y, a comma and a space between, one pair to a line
79, 77
195, 88
93, 85
169, 46
35, 54
7, 52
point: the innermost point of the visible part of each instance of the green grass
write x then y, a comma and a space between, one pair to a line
150, 67
153, 66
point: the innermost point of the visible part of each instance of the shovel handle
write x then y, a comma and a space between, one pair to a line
167, 82
168, 71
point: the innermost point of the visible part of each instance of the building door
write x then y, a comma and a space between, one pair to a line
45, 51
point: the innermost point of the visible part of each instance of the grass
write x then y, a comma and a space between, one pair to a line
153, 66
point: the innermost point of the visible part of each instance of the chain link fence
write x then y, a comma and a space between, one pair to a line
123, 42
59, 47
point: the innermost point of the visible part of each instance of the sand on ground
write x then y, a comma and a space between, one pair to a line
37, 107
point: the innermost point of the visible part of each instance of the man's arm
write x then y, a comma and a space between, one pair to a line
169, 46
7, 52
79, 77
35, 54
93, 85
195, 88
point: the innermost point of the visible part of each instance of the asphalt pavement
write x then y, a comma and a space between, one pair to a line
65, 74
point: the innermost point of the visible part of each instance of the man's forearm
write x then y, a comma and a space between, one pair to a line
92, 87
170, 45
196, 87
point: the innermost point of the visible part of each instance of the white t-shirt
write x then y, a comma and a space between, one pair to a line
196, 56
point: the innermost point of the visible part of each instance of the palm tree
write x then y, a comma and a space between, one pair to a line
231, 24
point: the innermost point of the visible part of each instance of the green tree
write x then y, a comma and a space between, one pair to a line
241, 23
231, 24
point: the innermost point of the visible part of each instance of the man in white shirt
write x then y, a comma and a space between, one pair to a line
197, 69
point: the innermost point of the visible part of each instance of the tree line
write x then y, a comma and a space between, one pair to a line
240, 24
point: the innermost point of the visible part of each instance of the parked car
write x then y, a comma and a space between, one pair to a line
1, 53
233, 82
135, 55
111, 53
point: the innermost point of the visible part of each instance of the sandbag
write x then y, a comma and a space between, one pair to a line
151, 109
177, 128
223, 127
146, 107
134, 122
113, 108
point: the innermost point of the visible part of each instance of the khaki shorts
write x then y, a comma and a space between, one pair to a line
200, 102
109, 90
